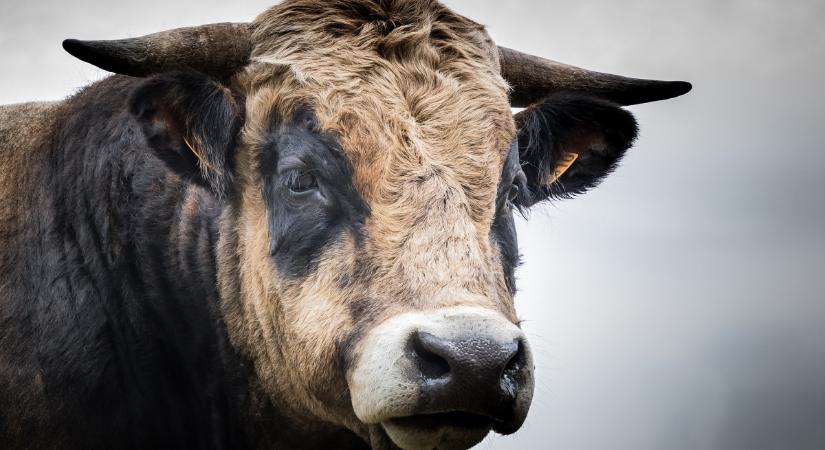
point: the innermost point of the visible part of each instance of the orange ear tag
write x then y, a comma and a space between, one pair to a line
562, 166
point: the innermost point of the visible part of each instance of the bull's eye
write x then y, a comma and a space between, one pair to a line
512, 195
301, 182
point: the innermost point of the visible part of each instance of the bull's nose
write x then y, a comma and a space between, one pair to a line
474, 374
443, 378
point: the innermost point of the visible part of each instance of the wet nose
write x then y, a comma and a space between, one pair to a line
475, 374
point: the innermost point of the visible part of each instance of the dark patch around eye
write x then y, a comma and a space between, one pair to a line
503, 231
303, 223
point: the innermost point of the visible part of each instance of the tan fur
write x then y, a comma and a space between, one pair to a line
415, 98
22, 127
22, 130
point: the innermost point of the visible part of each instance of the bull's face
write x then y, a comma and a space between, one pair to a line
371, 167
375, 212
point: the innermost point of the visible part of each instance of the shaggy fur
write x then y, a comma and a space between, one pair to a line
597, 131
110, 324
414, 99
162, 285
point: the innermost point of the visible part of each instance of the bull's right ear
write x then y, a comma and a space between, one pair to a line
191, 123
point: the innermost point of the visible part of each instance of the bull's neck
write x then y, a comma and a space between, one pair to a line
140, 243
129, 216
140, 239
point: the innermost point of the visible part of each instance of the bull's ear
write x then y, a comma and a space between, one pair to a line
191, 123
569, 142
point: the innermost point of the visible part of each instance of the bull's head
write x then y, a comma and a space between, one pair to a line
371, 167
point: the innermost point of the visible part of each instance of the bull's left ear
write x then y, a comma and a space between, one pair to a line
191, 123
569, 142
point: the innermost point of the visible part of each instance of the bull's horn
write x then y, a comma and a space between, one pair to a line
532, 78
218, 49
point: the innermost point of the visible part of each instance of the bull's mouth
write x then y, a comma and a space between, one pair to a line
440, 431
441, 379
455, 419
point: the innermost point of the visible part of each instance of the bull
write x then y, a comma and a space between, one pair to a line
291, 233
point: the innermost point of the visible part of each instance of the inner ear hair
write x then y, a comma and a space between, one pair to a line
191, 122
203, 163
577, 147
569, 142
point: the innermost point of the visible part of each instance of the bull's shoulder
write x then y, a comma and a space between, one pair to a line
24, 128
23, 124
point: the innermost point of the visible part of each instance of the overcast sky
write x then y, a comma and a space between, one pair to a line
679, 306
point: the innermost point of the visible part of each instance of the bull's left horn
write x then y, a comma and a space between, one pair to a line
533, 78
218, 49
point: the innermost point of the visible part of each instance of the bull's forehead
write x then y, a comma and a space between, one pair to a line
410, 89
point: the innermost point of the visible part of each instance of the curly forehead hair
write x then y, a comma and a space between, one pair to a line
424, 33
398, 81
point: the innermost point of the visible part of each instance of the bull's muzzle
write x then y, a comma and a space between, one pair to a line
443, 379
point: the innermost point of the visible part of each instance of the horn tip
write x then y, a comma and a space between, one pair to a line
72, 46
101, 54
653, 91
680, 88
81, 50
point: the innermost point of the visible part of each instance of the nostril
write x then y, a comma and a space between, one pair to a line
518, 360
430, 363
509, 383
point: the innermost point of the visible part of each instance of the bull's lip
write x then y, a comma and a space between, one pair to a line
457, 419
441, 431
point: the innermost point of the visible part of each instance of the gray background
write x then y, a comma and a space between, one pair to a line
679, 306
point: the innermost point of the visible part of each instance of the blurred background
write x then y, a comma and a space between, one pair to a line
679, 306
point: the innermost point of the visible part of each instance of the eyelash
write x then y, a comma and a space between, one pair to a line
301, 181
513, 193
